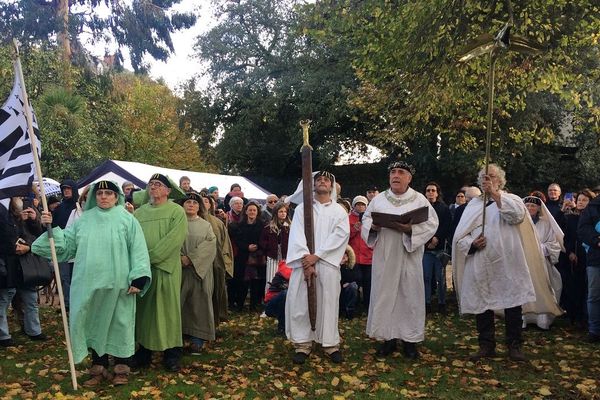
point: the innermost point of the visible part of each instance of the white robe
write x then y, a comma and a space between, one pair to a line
331, 234
550, 247
397, 305
496, 277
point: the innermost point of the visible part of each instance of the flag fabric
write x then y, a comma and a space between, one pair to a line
17, 168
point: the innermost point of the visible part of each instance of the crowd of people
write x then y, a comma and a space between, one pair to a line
157, 269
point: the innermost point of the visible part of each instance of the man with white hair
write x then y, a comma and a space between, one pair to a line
490, 265
397, 305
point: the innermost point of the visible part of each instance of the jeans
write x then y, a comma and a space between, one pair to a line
433, 269
31, 316
66, 269
6, 296
349, 298
593, 300
276, 308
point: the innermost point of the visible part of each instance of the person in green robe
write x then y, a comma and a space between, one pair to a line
197, 284
113, 268
158, 317
223, 264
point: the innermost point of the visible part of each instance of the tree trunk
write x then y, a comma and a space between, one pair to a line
64, 42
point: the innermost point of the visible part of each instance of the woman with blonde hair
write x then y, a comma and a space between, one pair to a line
274, 240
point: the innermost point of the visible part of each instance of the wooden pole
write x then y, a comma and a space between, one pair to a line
38, 173
488, 137
307, 198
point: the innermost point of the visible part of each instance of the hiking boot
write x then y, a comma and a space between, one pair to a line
97, 373
386, 348
7, 343
483, 352
336, 357
121, 375
515, 354
299, 358
196, 349
410, 350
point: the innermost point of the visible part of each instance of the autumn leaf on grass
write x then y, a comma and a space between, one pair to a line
545, 391
335, 381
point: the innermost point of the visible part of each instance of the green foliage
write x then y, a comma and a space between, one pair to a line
267, 76
405, 56
143, 27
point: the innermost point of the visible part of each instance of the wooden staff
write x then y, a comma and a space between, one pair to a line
38, 172
307, 198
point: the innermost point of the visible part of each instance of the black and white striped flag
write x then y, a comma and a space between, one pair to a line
16, 160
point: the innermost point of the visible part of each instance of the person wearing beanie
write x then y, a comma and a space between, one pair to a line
158, 319
113, 270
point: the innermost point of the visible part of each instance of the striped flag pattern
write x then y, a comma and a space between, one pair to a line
16, 160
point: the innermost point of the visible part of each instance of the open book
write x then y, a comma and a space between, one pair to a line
415, 216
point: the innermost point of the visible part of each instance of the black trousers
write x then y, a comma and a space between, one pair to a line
365, 283
169, 355
513, 321
97, 360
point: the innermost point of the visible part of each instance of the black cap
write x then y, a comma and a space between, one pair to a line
162, 178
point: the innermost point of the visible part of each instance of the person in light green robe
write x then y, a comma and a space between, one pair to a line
197, 283
112, 264
158, 318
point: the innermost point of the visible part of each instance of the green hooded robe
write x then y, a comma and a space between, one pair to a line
158, 319
110, 252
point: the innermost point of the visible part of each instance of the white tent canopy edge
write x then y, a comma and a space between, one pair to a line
139, 174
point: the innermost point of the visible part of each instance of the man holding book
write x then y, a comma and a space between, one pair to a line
397, 224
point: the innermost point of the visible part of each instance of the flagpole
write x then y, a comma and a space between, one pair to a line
38, 172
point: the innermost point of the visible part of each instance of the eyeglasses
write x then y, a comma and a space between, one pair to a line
104, 193
155, 184
272, 201
431, 190
460, 195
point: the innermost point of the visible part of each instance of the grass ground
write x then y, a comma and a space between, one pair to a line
249, 361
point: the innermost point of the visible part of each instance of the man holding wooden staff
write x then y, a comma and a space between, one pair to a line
331, 234
397, 306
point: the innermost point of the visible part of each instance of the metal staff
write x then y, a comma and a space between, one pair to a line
307, 198
38, 172
494, 46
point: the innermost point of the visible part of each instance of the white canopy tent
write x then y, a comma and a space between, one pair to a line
139, 174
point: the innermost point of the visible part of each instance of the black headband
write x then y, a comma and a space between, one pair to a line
107, 185
532, 199
162, 178
403, 165
325, 174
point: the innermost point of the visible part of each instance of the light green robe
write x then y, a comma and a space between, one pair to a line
158, 318
197, 284
222, 265
110, 252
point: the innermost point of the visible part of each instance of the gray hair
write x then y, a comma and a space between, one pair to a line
234, 199
471, 192
499, 172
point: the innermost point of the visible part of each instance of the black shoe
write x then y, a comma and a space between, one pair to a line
593, 338
299, 358
485, 351
172, 366
410, 350
442, 309
336, 357
7, 343
386, 348
40, 338
138, 361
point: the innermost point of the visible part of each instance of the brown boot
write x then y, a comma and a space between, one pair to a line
483, 352
121, 373
97, 374
515, 353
